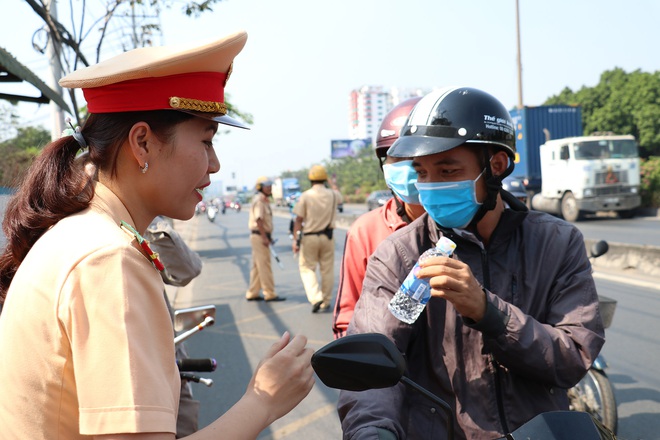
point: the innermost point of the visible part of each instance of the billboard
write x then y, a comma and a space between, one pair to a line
347, 147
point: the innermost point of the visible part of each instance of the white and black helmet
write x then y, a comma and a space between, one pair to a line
452, 116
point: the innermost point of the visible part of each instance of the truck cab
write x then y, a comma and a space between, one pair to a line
587, 174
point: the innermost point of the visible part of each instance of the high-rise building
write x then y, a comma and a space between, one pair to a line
368, 105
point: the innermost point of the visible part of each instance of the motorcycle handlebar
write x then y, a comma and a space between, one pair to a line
205, 364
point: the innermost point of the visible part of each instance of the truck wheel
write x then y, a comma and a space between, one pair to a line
569, 208
627, 213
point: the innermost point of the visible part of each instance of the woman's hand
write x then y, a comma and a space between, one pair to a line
284, 376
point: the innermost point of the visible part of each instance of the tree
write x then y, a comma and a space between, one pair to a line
131, 24
623, 103
8, 120
17, 153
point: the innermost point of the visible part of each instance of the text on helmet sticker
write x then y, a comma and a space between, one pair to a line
495, 123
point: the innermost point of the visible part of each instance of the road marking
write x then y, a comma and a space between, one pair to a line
291, 428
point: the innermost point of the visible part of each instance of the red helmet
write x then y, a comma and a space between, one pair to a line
389, 129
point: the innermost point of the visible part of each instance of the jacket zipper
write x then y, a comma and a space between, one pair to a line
498, 392
496, 370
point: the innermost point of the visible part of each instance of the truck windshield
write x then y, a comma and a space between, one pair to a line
605, 149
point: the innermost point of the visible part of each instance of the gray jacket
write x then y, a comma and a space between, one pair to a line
541, 332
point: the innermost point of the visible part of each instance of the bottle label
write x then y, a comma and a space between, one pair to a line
419, 292
416, 288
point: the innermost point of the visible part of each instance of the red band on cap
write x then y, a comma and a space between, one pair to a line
154, 93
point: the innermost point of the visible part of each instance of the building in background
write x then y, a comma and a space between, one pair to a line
368, 105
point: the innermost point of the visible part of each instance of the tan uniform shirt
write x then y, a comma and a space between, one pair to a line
260, 209
317, 208
85, 335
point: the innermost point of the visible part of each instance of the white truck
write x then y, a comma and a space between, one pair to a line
587, 174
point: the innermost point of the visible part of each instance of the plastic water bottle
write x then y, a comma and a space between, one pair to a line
414, 293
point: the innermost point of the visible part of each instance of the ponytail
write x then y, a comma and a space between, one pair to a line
54, 187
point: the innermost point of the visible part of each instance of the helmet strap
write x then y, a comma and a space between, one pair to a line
401, 209
493, 187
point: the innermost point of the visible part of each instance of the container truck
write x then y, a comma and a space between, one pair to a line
568, 174
285, 190
534, 125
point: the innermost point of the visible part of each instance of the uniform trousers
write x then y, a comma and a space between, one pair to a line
317, 250
261, 273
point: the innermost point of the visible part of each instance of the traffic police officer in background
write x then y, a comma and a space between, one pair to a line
312, 230
260, 223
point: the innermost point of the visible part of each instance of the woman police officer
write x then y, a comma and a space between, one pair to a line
85, 335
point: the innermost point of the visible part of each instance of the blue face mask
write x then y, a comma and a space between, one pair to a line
450, 204
401, 178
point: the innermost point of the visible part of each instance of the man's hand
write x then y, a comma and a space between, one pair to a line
453, 280
265, 240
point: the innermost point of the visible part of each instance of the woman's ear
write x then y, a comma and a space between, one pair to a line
499, 163
138, 142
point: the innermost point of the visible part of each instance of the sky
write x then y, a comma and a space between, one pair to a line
303, 58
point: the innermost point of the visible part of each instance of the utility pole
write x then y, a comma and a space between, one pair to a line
52, 52
520, 94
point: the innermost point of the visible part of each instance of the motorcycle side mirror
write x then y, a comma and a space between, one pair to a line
359, 362
185, 319
599, 248
366, 361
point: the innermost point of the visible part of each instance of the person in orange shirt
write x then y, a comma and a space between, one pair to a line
85, 334
370, 229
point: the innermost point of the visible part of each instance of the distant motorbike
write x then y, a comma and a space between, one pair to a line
200, 208
594, 394
211, 213
366, 361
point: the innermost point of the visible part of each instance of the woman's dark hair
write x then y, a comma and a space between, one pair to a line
57, 186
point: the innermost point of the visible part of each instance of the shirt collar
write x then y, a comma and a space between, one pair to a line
108, 202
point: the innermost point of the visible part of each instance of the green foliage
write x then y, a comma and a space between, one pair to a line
650, 182
17, 153
622, 103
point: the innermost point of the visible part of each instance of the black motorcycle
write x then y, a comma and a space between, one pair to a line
370, 360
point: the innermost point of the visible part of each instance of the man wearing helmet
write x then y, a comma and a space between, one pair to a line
371, 228
260, 223
314, 223
513, 320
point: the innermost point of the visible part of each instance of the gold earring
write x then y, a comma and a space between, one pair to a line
145, 168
